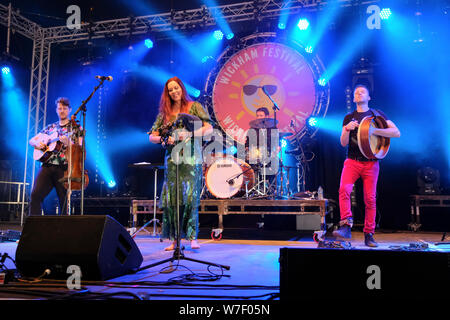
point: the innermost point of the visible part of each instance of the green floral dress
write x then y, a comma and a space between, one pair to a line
190, 183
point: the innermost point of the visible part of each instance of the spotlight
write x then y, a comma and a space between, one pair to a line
309, 49
231, 150
6, 70
312, 122
218, 35
196, 93
303, 24
385, 13
281, 26
111, 183
283, 143
428, 181
322, 82
206, 58
230, 36
148, 43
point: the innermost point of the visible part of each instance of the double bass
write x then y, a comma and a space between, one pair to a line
75, 164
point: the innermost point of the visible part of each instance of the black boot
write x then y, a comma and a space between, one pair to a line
343, 233
369, 240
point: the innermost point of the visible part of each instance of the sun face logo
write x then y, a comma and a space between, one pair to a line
249, 76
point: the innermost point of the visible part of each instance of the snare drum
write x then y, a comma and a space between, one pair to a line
228, 176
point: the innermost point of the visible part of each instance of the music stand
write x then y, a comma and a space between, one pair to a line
178, 253
155, 167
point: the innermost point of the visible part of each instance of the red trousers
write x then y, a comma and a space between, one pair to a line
368, 172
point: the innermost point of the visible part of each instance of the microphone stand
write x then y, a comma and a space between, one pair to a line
275, 108
83, 108
178, 251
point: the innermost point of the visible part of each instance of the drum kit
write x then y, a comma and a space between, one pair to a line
256, 176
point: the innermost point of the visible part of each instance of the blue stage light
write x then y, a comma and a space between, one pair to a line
281, 26
309, 49
322, 82
6, 70
148, 43
283, 143
218, 35
312, 121
230, 36
303, 24
111, 183
385, 13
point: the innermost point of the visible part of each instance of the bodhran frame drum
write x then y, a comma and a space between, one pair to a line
373, 147
226, 177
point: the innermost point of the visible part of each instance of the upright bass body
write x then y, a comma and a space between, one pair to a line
75, 161
373, 147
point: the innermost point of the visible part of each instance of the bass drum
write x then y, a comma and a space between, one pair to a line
226, 177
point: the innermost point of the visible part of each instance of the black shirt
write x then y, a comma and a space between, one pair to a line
353, 151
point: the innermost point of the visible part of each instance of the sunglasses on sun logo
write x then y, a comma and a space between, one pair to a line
250, 89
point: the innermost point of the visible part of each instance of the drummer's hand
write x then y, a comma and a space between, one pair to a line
352, 125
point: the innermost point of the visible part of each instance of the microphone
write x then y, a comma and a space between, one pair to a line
103, 78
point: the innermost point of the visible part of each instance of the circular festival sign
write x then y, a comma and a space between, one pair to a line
247, 78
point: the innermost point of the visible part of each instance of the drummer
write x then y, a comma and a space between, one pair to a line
262, 121
262, 113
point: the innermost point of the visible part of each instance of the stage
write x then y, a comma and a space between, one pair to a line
254, 270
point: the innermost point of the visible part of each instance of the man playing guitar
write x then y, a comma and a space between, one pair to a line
53, 158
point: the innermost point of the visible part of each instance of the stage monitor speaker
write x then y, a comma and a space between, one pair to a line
99, 245
359, 274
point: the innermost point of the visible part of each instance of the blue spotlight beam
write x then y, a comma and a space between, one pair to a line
350, 47
326, 17
220, 19
283, 18
14, 113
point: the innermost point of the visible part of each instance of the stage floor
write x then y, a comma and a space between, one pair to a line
253, 274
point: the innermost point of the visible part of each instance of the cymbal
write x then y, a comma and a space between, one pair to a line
285, 134
147, 165
263, 123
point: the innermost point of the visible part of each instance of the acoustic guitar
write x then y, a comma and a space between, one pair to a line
53, 145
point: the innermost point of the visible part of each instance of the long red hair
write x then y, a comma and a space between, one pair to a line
166, 102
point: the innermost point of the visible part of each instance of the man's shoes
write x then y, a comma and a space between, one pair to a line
369, 240
343, 233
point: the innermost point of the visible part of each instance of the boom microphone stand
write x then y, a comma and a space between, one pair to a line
275, 108
83, 137
178, 254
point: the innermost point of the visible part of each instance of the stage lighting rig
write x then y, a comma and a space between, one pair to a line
362, 73
428, 181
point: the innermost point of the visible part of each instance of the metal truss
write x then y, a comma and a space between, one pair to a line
257, 10
43, 38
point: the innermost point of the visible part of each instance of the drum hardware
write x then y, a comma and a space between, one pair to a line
263, 123
226, 177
